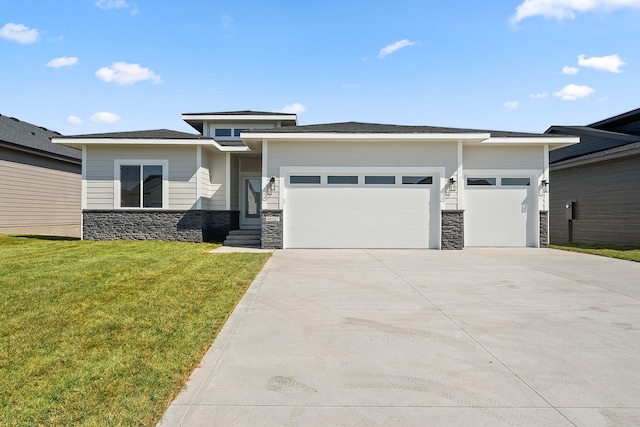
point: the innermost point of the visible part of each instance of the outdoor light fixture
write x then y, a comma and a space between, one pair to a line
272, 182
452, 183
545, 186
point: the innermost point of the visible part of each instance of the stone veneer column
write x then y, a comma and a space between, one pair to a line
453, 229
271, 237
544, 229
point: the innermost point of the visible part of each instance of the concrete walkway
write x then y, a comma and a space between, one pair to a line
479, 337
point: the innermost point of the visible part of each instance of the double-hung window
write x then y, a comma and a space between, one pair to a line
141, 184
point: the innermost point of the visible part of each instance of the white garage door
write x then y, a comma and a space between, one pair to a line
499, 211
332, 210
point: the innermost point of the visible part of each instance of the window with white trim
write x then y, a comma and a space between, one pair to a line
141, 184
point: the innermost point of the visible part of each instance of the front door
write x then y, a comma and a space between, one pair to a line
250, 206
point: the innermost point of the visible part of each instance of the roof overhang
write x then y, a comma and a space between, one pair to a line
240, 117
611, 154
553, 142
205, 142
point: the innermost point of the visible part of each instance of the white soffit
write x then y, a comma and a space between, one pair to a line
553, 143
312, 136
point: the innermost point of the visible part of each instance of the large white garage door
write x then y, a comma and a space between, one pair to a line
331, 210
499, 211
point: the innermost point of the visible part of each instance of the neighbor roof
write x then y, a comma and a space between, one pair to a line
619, 120
239, 113
36, 139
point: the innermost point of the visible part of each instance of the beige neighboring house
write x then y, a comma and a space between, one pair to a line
40, 182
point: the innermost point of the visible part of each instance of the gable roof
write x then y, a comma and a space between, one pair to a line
361, 127
25, 136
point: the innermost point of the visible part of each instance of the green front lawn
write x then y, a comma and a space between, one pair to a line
107, 333
629, 253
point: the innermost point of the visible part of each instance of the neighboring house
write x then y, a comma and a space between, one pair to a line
596, 184
39, 181
339, 185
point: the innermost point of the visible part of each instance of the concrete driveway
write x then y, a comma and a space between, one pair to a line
479, 337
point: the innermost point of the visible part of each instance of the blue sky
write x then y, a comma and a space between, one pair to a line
87, 66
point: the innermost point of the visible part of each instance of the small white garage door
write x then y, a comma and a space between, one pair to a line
365, 210
499, 211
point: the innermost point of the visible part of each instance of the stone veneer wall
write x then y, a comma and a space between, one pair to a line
182, 226
453, 229
272, 229
544, 229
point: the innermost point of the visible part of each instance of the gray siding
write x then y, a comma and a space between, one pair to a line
39, 195
182, 173
607, 196
588, 144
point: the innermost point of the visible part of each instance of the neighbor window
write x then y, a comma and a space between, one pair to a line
379, 179
141, 186
515, 181
236, 132
481, 181
304, 179
342, 179
424, 180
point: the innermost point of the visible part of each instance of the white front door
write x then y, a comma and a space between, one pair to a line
250, 201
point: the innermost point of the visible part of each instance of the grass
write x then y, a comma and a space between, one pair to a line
629, 253
107, 333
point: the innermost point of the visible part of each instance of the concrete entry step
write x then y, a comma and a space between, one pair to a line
243, 238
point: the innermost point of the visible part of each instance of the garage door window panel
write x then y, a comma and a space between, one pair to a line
481, 181
515, 182
417, 180
304, 179
342, 179
379, 180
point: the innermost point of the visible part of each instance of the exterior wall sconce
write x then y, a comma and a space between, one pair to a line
545, 186
272, 183
452, 183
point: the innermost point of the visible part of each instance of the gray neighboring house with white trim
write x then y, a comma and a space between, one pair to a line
39, 181
596, 184
336, 185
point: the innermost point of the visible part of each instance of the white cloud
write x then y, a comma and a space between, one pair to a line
112, 4
227, 22
611, 63
511, 105
295, 108
127, 74
105, 117
388, 50
117, 4
570, 71
563, 9
74, 120
19, 33
539, 95
63, 61
572, 92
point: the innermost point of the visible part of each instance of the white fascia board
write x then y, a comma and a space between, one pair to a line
239, 118
77, 142
364, 136
552, 142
